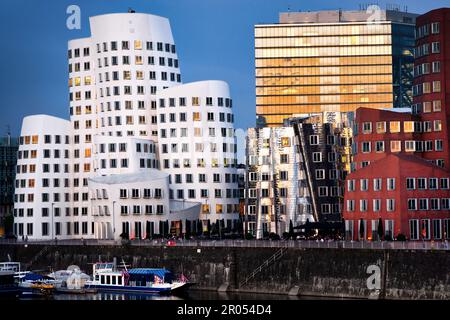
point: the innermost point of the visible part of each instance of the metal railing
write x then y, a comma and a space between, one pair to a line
299, 244
276, 256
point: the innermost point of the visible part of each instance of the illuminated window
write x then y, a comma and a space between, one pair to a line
197, 132
137, 44
396, 146
77, 81
394, 126
408, 126
437, 105
139, 75
205, 208
31, 183
436, 86
196, 116
35, 139
127, 75
32, 168
195, 101
381, 127
138, 60
70, 82
219, 208
437, 125
285, 141
129, 120
214, 163
27, 139
427, 107
88, 109
87, 167
87, 153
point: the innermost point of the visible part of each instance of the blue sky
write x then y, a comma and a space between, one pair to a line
214, 40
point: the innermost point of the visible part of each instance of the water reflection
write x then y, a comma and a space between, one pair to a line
189, 295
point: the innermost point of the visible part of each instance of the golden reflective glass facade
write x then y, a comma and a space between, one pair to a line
311, 68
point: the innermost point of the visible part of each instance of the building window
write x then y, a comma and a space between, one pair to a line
363, 205
350, 205
410, 146
444, 184
410, 183
351, 185
412, 204
376, 205
320, 174
367, 127
423, 204
314, 140
408, 126
365, 146
317, 157
390, 205
377, 184
364, 183
434, 204
436, 66
381, 127
394, 126
435, 28
44, 228
433, 183
414, 229
422, 183
396, 146
435, 47
379, 146
391, 184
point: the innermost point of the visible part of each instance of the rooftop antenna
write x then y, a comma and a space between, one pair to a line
8, 134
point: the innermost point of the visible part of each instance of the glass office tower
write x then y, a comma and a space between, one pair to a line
333, 62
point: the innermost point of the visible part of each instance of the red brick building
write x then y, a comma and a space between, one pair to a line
431, 86
401, 163
381, 132
409, 194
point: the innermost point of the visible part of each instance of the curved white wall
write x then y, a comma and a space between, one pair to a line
117, 78
42, 179
196, 140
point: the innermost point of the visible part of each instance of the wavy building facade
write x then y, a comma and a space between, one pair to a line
76, 178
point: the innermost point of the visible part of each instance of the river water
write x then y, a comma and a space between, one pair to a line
189, 295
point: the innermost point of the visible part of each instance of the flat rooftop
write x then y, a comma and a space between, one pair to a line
339, 16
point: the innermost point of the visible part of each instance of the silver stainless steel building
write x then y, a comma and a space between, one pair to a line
294, 174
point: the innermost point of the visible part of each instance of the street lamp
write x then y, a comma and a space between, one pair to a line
114, 224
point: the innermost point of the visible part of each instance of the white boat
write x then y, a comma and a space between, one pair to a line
13, 267
72, 280
107, 277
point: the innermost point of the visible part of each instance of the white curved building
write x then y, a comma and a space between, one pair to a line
197, 147
137, 204
43, 180
117, 78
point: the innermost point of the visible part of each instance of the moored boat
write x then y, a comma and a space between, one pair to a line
107, 277
72, 280
8, 285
